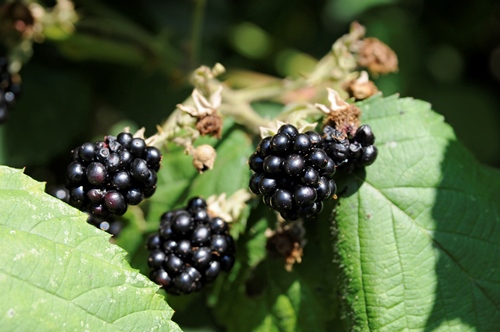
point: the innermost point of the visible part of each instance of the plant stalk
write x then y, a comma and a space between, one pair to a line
198, 16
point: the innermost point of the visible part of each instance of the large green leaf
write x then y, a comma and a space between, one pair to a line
418, 233
266, 297
59, 273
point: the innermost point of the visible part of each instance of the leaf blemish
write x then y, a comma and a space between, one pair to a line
391, 144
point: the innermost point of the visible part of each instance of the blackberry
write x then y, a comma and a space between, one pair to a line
109, 224
292, 172
106, 176
190, 249
9, 90
350, 152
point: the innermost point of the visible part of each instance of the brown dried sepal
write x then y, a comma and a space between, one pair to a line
345, 120
377, 57
210, 125
360, 90
288, 243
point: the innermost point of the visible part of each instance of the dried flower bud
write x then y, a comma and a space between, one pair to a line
210, 125
377, 56
360, 88
203, 157
208, 121
287, 242
340, 115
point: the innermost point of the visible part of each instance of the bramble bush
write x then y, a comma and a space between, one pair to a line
381, 221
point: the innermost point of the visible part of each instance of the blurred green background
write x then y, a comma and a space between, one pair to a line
127, 63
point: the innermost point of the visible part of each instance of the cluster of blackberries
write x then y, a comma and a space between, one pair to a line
106, 176
9, 90
190, 249
293, 173
112, 225
350, 152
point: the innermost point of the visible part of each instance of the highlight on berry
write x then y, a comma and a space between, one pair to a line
106, 176
190, 249
293, 173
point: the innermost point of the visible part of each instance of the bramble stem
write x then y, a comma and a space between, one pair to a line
198, 15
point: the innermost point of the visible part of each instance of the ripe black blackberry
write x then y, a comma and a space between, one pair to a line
190, 249
350, 152
292, 172
107, 176
111, 225
9, 90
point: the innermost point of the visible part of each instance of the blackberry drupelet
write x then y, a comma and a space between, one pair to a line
9, 90
112, 225
107, 176
190, 249
292, 172
350, 152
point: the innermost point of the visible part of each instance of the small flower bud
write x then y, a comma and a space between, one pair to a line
360, 88
203, 157
377, 57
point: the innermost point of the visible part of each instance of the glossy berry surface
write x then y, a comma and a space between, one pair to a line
350, 152
115, 202
294, 167
196, 203
190, 249
368, 155
106, 176
364, 135
288, 129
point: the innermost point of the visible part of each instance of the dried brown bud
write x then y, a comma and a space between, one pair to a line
287, 242
340, 115
377, 57
203, 157
210, 125
345, 120
360, 88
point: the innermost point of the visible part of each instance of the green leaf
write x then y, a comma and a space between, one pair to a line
59, 273
417, 235
261, 293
